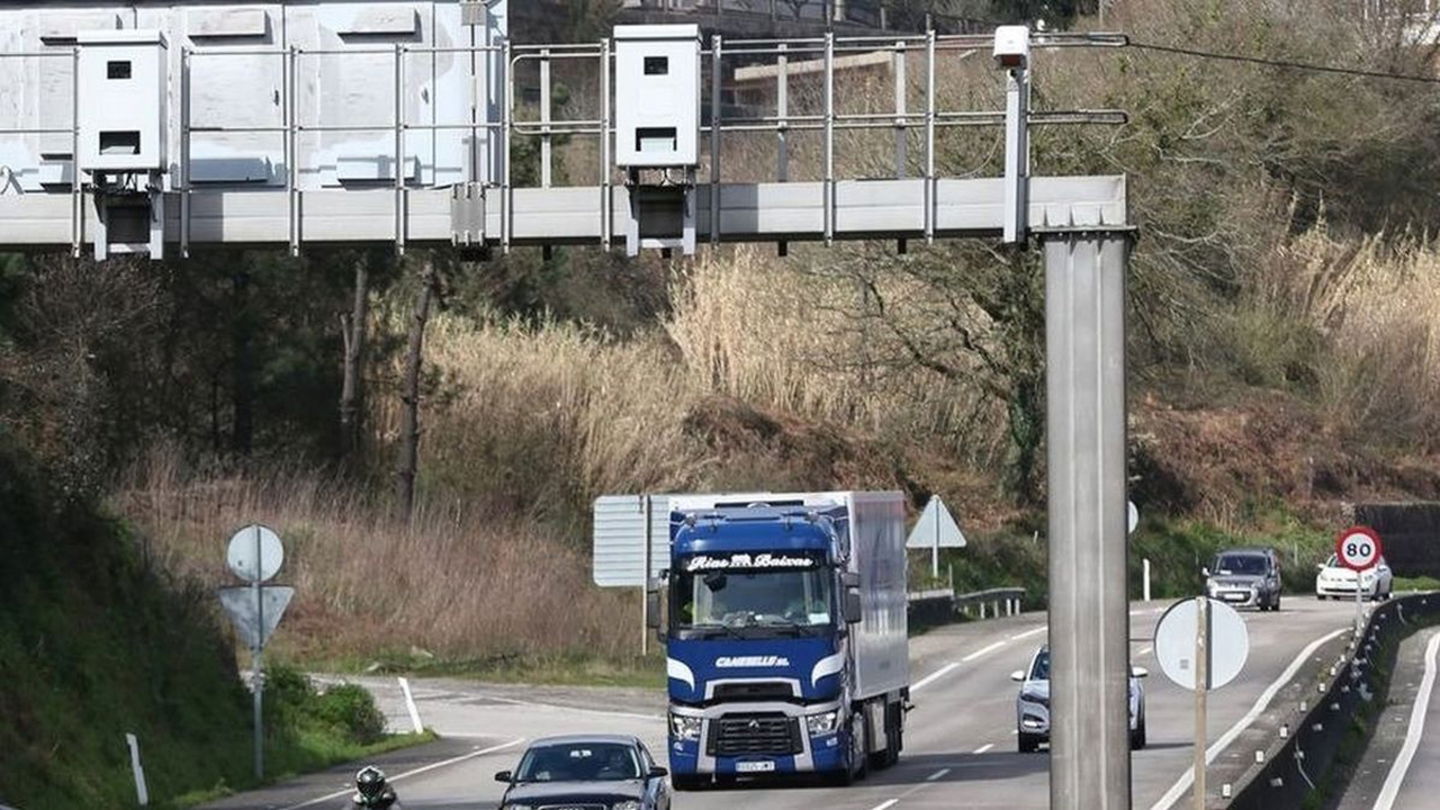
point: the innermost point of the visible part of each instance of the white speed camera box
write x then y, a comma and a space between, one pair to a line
122, 77
657, 96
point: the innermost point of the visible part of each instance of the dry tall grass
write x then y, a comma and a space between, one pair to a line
456, 582
1375, 303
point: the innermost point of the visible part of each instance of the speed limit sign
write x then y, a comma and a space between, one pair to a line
1358, 548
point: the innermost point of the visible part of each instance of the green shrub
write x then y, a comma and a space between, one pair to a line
351, 710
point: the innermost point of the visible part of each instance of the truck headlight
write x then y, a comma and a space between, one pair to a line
684, 728
822, 723
628, 804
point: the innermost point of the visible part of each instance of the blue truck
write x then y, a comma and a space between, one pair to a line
785, 635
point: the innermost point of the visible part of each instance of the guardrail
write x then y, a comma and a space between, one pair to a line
940, 606
994, 597
1307, 746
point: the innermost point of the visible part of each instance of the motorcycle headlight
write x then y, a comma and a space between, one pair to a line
822, 723
628, 804
684, 728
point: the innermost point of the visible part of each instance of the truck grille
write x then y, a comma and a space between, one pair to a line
737, 734
755, 690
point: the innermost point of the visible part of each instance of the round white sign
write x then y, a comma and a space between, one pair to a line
1132, 516
1358, 548
255, 553
1175, 643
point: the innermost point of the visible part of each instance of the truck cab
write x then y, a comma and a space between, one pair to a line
773, 667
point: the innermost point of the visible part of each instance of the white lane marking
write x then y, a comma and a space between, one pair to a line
453, 760
885, 805
928, 679
936, 775
1144, 650
1029, 633
972, 656
1396, 777
986, 747
1261, 703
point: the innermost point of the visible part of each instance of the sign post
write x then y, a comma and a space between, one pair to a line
1201, 645
1359, 549
255, 555
1202, 687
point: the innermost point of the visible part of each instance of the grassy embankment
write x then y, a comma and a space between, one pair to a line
96, 642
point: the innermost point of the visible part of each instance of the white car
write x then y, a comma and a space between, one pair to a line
1335, 581
1032, 706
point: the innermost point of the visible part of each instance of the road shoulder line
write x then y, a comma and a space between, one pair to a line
1396, 778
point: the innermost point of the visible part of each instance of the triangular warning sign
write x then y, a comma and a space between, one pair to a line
936, 528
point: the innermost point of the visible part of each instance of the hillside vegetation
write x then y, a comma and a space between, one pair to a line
1285, 361
97, 642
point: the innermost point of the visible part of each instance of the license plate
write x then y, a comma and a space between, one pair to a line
1235, 597
754, 767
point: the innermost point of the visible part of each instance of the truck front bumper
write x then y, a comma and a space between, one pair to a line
716, 750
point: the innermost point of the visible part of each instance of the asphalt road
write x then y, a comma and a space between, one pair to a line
960, 741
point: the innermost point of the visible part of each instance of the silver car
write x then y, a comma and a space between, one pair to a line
1245, 577
1032, 706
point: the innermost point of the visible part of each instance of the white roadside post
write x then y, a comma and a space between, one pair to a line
142, 793
411, 707
1145, 577
1201, 645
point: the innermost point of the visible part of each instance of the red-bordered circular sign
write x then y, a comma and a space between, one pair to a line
1358, 548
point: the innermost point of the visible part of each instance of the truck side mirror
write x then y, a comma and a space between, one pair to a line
652, 610
1205, 570
851, 606
503, 776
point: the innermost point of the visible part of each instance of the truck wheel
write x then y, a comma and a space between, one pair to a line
1027, 743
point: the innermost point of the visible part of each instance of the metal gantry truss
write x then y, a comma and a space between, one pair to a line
490, 210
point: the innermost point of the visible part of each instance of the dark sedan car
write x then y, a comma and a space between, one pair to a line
586, 772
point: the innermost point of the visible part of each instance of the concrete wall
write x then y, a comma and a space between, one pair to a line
1410, 533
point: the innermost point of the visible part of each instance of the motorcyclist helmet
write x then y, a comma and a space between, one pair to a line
370, 783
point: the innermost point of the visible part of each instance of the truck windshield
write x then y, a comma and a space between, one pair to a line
789, 597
